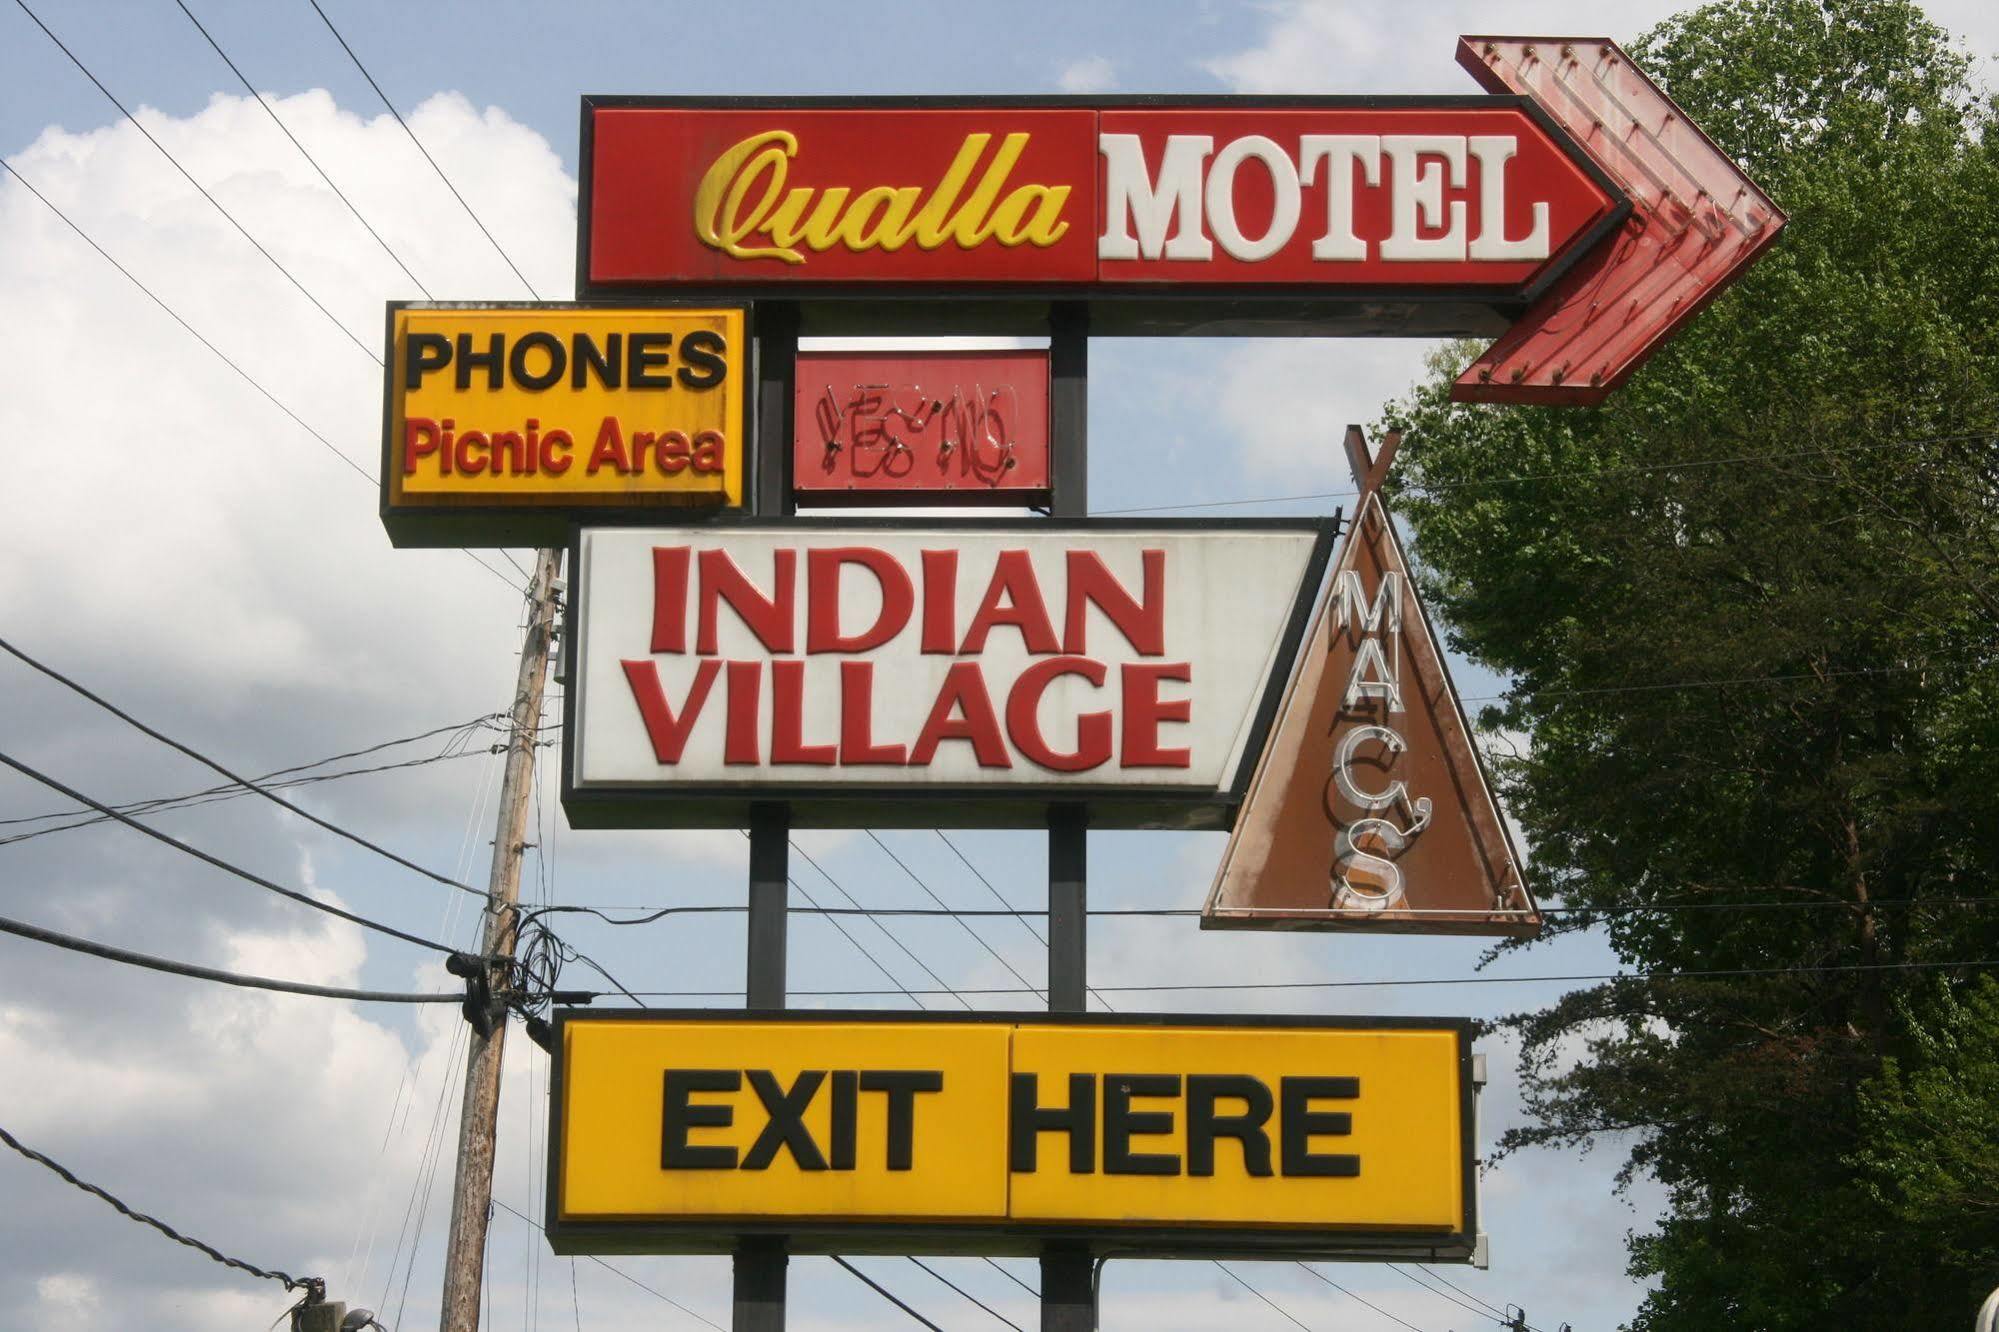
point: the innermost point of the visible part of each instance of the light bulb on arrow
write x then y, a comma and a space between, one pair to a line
1696, 222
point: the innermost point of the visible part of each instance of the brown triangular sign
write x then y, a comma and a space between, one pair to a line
1369, 808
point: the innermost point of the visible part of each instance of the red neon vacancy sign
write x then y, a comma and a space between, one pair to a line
940, 426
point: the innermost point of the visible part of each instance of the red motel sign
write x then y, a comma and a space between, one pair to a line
1572, 212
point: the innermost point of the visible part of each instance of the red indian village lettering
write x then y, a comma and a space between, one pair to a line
763, 700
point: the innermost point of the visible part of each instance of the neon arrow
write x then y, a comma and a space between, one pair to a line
1696, 223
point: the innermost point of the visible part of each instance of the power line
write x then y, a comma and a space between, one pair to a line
979, 938
244, 782
1435, 1275
420, 148
271, 111
1574, 474
220, 863
216, 795
1238, 1279
1724, 682
966, 1293
1648, 977
63, 1172
883, 1291
278, 776
1360, 1299
1473, 1309
522, 1216
190, 970
1014, 1279
1024, 913
173, 314
366, 350
885, 931
219, 354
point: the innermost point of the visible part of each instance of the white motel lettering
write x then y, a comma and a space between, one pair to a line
1189, 206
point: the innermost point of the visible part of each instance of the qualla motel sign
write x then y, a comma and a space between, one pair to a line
1275, 678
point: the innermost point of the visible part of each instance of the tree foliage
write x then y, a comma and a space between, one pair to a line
1751, 610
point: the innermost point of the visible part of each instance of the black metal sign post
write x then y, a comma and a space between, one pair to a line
1068, 1294
760, 1260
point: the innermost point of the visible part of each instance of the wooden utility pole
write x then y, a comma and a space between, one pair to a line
472, 1191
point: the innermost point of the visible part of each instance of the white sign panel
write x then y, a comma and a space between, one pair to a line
830, 663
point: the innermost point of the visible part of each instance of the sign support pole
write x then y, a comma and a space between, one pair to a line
1068, 1272
1068, 410
759, 1266
769, 489
760, 1261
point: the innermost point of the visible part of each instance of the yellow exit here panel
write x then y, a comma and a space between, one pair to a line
564, 405
675, 1120
1239, 1126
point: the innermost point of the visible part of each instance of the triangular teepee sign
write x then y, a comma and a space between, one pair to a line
1369, 808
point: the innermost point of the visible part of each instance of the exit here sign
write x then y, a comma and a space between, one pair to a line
992, 1132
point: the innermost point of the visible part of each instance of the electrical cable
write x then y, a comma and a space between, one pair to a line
420, 148
271, 111
522, 1216
230, 217
1647, 977
193, 972
859, 947
173, 314
1451, 1299
216, 795
141, 806
885, 932
222, 864
977, 937
220, 355
1579, 473
244, 782
1359, 1299
967, 1294
1240, 1281
452, 910
1819, 677
883, 1291
1612, 909
268, 1274
1435, 1275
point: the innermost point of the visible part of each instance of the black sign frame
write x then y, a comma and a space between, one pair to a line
934, 805
1127, 309
709, 1235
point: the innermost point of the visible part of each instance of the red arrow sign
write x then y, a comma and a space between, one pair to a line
1576, 215
1696, 223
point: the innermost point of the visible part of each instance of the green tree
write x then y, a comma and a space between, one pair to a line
1772, 678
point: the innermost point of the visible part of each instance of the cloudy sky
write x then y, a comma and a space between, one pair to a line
199, 543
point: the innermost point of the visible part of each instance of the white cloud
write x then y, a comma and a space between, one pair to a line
191, 553
1092, 74
1373, 46
1290, 401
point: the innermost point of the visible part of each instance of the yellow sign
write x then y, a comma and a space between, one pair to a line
563, 406
1312, 1135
